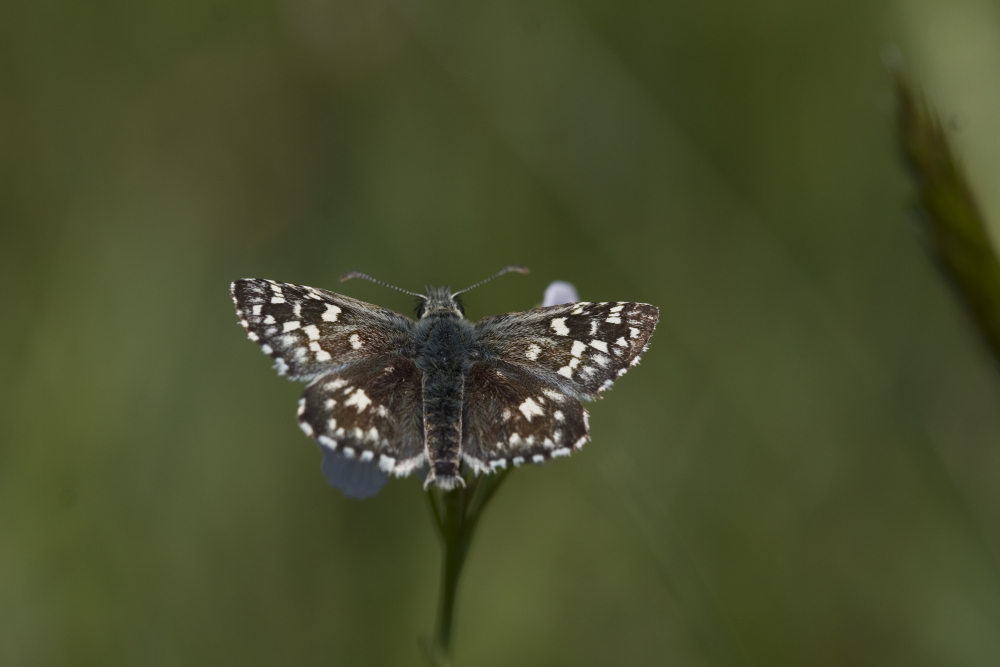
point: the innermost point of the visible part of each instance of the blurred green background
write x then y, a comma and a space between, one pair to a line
803, 471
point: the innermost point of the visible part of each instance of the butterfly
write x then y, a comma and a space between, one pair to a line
440, 391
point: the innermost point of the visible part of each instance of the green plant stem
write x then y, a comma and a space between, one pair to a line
456, 515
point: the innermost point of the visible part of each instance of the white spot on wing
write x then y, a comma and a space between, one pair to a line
538, 458
533, 352
312, 331
256, 309
386, 463
355, 341
559, 325
618, 308
566, 371
578, 348
633, 332
269, 319
306, 428
553, 395
614, 319
367, 455
599, 345
359, 399
331, 313
563, 451
291, 326
277, 299
266, 348
621, 341
517, 460
530, 408
327, 442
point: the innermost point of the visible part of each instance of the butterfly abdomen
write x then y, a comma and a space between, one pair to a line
442, 358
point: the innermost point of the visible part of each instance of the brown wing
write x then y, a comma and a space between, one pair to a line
371, 410
580, 347
512, 417
309, 331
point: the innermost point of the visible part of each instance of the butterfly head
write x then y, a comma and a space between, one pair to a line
440, 302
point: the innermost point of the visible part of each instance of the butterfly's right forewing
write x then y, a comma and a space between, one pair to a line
581, 347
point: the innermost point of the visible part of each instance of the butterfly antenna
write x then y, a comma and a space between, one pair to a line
518, 268
357, 274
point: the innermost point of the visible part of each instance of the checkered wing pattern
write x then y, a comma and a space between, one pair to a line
371, 411
580, 347
310, 331
523, 399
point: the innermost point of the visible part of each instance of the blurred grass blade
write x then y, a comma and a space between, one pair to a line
674, 562
958, 235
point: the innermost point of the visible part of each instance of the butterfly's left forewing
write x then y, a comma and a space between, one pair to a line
309, 331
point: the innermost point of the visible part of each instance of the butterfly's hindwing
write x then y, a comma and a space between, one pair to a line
308, 331
371, 410
513, 417
581, 347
